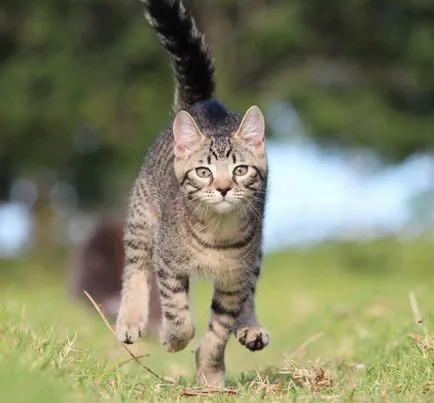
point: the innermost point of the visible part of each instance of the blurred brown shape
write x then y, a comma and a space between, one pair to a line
96, 267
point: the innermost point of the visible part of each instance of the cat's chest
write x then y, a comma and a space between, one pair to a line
218, 258
214, 262
219, 250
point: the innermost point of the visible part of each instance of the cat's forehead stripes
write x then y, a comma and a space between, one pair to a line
220, 147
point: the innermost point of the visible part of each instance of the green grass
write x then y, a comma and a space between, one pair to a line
355, 295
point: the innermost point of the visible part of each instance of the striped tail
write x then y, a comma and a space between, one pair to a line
191, 59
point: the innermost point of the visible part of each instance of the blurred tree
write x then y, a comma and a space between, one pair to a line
359, 72
64, 65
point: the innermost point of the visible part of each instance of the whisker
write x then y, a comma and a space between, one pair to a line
258, 215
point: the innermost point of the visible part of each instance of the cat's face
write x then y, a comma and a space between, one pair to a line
221, 174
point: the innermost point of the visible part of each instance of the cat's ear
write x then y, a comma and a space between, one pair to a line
252, 128
186, 134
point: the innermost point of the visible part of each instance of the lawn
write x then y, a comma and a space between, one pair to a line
342, 328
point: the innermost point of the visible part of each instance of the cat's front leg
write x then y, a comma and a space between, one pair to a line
225, 308
177, 327
246, 328
133, 312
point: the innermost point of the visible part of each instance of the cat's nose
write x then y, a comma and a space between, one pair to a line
224, 190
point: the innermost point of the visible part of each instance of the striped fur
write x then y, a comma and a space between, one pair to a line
197, 208
191, 61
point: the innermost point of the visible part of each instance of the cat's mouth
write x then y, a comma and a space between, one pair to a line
223, 206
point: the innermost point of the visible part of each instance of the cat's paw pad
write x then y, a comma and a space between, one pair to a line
130, 328
175, 337
254, 338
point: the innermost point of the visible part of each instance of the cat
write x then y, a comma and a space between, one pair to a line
196, 208
96, 267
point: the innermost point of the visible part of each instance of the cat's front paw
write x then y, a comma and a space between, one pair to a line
254, 338
175, 337
130, 326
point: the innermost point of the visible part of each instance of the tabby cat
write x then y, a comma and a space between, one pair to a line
197, 207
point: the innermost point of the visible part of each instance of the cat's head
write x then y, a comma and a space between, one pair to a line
221, 171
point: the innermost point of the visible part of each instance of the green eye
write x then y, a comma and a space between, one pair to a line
240, 170
203, 172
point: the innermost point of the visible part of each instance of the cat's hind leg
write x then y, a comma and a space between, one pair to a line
177, 327
225, 308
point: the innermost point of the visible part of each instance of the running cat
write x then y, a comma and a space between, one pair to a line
197, 207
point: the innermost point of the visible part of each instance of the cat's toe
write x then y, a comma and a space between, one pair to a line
253, 338
128, 331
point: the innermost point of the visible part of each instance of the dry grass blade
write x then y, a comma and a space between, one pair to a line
262, 386
415, 308
137, 357
325, 398
133, 357
313, 377
303, 345
206, 390
425, 344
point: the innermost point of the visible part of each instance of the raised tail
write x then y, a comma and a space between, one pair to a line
191, 59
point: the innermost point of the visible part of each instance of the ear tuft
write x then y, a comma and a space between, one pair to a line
252, 127
186, 134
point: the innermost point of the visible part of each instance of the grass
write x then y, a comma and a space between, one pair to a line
341, 323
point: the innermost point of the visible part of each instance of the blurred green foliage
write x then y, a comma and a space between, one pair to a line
358, 72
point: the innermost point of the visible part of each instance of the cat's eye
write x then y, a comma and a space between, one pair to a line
203, 172
240, 170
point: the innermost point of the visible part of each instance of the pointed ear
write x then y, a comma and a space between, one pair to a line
252, 127
186, 134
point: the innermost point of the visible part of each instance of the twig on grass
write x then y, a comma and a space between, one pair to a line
199, 391
426, 343
133, 357
206, 390
303, 345
415, 308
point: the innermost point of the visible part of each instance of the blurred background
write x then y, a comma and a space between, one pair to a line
347, 88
